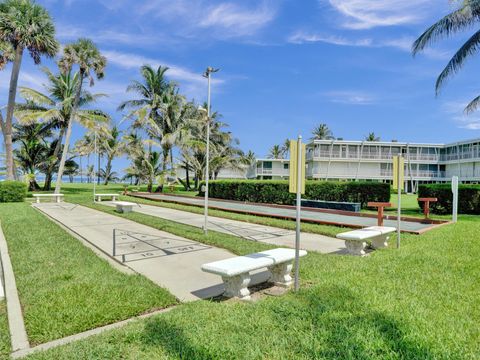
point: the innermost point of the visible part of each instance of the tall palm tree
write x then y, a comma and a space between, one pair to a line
276, 152
463, 18
54, 107
286, 147
112, 146
84, 54
322, 132
372, 137
24, 25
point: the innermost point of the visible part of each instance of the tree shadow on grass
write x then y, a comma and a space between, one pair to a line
327, 322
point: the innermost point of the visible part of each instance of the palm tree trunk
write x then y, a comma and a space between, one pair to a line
187, 175
7, 135
108, 168
48, 176
58, 185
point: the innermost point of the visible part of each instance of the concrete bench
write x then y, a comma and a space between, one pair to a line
124, 206
58, 197
98, 197
235, 272
356, 240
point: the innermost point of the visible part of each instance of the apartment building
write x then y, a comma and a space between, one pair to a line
372, 161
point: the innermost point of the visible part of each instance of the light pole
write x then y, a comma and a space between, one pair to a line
94, 161
208, 75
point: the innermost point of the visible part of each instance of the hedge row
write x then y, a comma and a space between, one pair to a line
276, 191
12, 191
468, 198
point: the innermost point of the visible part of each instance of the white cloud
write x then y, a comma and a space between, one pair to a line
402, 43
455, 109
350, 97
366, 14
222, 20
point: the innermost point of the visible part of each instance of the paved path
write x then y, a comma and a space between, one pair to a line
315, 216
168, 260
262, 233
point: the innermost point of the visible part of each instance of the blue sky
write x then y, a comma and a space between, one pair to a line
286, 65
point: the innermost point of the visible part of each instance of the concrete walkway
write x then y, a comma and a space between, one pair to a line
319, 216
170, 261
267, 234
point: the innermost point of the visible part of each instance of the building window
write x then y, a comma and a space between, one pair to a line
285, 166
267, 165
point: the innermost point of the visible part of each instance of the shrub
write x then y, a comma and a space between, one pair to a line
12, 191
276, 191
468, 198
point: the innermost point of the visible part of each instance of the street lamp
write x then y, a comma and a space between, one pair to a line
208, 74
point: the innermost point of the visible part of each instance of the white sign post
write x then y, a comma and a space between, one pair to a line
297, 186
398, 184
455, 198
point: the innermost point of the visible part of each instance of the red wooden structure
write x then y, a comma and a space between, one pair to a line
426, 205
380, 206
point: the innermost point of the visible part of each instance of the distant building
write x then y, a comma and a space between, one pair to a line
372, 161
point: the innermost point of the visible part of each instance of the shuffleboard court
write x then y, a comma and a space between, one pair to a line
288, 212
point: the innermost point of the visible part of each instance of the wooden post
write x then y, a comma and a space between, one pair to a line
380, 206
426, 205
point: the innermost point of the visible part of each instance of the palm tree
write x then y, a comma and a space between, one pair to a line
33, 150
372, 137
112, 146
54, 107
24, 25
286, 147
322, 132
463, 18
276, 152
88, 58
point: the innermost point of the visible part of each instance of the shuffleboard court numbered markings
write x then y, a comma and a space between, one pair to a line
133, 246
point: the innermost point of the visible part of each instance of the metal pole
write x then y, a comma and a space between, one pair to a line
455, 198
299, 200
399, 190
207, 172
96, 156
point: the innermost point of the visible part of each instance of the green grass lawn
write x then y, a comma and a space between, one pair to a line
419, 302
64, 287
4, 333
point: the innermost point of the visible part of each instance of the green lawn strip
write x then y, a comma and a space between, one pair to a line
4, 333
419, 302
64, 287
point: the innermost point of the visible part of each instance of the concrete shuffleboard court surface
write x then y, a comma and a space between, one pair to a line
329, 217
254, 232
170, 261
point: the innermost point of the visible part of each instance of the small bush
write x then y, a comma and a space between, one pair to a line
468, 198
276, 191
12, 191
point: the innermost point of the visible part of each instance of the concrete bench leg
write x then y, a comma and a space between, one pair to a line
281, 274
38, 200
237, 286
355, 247
58, 199
114, 198
380, 242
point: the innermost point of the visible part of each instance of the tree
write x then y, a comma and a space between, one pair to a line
286, 147
90, 62
372, 137
54, 107
33, 150
23, 25
71, 169
276, 152
463, 18
322, 132
112, 146
160, 110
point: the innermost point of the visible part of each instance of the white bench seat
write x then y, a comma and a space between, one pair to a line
98, 197
124, 206
356, 240
58, 197
235, 272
